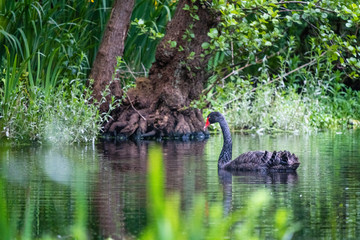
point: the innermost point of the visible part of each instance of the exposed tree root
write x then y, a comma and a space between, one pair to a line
166, 123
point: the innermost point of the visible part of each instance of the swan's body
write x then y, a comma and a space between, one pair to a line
278, 161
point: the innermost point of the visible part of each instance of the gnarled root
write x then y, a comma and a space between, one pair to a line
164, 122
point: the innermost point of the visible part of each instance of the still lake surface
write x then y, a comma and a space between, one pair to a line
324, 195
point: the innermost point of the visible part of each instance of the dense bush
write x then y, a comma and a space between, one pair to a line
283, 65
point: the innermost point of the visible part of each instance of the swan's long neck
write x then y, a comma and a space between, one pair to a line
226, 152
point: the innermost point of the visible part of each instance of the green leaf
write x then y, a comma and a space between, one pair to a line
205, 45
267, 43
213, 33
172, 43
186, 8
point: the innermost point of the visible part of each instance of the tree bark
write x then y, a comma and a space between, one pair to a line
159, 106
112, 46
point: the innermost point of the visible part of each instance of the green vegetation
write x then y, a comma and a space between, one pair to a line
275, 66
283, 65
64, 116
149, 19
47, 52
269, 107
47, 48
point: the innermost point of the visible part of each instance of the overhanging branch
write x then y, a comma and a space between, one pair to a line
282, 76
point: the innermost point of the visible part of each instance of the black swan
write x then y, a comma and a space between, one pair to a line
277, 161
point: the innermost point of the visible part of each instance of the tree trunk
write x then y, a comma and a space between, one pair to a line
158, 106
112, 46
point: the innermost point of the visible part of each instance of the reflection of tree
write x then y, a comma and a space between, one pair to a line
120, 197
116, 187
178, 158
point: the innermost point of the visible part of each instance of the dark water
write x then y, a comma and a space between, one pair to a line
324, 195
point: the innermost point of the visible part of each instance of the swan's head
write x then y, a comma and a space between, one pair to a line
213, 118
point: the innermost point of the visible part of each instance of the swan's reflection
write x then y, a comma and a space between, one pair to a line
225, 177
255, 177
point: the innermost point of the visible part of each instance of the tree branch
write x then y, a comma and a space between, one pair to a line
207, 90
283, 76
305, 3
129, 97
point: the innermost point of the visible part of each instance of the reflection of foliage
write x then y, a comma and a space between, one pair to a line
165, 219
34, 209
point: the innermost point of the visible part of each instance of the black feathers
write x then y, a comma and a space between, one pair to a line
277, 161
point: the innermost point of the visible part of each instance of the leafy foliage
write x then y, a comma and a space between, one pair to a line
53, 39
149, 19
290, 61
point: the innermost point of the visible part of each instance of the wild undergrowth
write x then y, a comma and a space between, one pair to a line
65, 115
308, 98
272, 108
284, 65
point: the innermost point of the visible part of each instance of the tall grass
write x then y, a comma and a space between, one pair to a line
65, 116
49, 48
61, 113
50, 36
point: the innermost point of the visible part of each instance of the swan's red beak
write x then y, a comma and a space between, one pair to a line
207, 123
